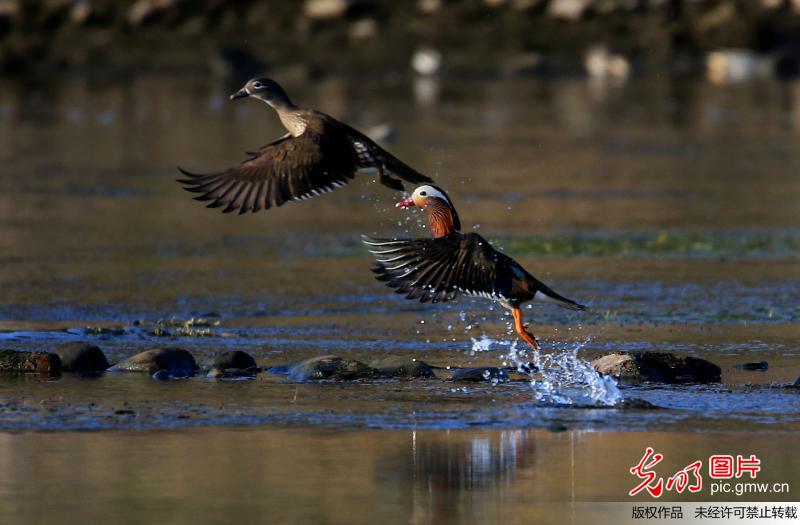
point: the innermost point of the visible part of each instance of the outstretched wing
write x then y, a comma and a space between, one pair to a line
371, 154
441, 268
288, 169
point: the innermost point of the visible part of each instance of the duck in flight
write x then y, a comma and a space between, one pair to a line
454, 263
317, 154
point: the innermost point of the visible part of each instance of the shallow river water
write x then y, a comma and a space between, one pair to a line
670, 207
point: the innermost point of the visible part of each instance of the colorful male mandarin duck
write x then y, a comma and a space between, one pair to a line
317, 155
454, 263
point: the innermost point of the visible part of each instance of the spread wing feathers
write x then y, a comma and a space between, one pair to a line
290, 168
440, 269
372, 155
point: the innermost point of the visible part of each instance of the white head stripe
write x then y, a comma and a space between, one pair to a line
430, 191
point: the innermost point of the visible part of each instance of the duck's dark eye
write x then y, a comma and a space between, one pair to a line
422, 193
257, 85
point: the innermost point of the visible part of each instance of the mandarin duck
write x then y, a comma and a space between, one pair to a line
454, 263
317, 154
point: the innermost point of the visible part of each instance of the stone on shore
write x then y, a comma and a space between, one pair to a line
758, 365
477, 375
30, 362
657, 367
79, 356
325, 9
399, 366
331, 367
230, 364
161, 363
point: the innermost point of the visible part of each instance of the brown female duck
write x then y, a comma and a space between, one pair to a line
317, 155
453, 263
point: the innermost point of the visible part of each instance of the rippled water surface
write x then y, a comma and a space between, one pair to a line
670, 207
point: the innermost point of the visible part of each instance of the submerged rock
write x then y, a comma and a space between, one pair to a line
636, 404
80, 356
759, 365
164, 362
230, 364
476, 375
38, 362
657, 367
399, 366
331, 367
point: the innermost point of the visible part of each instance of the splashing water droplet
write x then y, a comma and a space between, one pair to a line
559, 377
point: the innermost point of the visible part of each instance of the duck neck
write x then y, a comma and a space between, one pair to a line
291, 117
441, 219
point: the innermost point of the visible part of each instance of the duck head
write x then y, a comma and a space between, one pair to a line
264, 89
442, 214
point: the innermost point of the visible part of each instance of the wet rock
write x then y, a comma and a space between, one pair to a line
657, 367
719, 16
476, 375
80, 12
568, 9
161, 375
325, 9
80, 356
24, 362
621, 366
636, 404
736, 65
427, 62
173, 327
429, 7
759, 365
143, 11
796, 383
398, 366
230, 364
600, 63
9, 7
104, 330
331, 367
174, 362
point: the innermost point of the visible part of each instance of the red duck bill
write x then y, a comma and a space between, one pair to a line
405, 203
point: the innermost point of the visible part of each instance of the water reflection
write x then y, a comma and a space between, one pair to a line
476, 461
310, 476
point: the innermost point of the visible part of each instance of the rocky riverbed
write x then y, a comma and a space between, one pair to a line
388, 392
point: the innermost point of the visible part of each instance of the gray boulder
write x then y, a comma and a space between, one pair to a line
25, 362
477, 375
399, 366
657, 367
161, 363
758, 365
331, 367
230, 364
80, 356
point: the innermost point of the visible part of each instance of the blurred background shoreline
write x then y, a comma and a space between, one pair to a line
721, 40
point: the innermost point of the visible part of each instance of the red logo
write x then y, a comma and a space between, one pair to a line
720, 466
687, 478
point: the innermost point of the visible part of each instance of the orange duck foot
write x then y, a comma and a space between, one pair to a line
522, 329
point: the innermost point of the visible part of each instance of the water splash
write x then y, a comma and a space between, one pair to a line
559, 377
